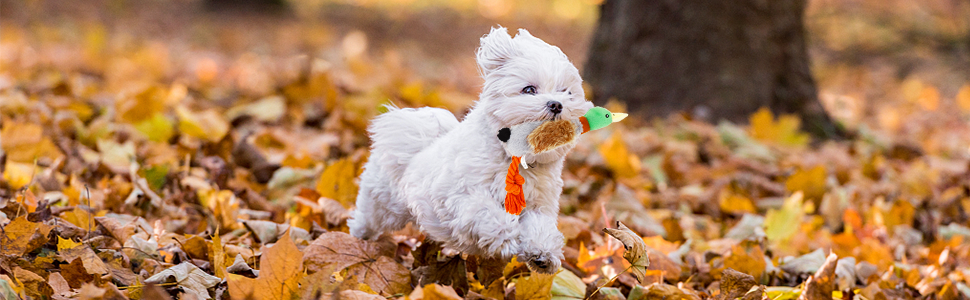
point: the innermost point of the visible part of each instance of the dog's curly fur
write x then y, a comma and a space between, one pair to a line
448, 177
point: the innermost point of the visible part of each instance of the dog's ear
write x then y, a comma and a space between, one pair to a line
496, 49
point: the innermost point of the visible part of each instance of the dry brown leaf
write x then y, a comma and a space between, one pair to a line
661, 291
636, 250
821, 285
370, 262
190, 278
735, 284
92, 263
118, 231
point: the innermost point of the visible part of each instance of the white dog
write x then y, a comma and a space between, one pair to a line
449, 177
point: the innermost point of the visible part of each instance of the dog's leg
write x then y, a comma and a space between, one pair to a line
540, 241
377, 210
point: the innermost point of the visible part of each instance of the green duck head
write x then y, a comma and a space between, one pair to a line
599, 117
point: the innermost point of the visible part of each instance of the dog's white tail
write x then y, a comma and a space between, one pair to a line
396, 137
399, 134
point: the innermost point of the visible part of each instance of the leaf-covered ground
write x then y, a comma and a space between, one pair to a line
155, 151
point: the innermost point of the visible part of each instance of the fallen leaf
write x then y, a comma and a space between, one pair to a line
337, 182
431, 267
269, 232
636, 250
805, 264
781, 224
118, 231
209, 125
661, 291
58, 284
784, 131
811, 182
157, 128
610, 293
434, 292
370, 262
567, 285
821, 285
748, 258
240, 267
18, 175
735, 284
92, 263
190, 278
217, 254
18, 236
24, 142
618, 158
534, 286
281, 268
269, 109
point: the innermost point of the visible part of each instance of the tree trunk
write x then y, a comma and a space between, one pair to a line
713, 59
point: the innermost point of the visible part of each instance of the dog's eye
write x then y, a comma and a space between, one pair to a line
531, 90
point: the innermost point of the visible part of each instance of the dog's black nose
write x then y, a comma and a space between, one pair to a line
539, 262
554, 106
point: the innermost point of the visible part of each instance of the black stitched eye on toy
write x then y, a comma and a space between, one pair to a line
531, 90
504, 134
607, 116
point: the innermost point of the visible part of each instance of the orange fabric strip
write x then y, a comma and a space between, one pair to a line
514, 198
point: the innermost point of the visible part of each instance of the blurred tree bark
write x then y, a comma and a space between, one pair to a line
257, 6
713, 59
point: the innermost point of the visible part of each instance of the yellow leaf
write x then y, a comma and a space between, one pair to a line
337, 182
158, 128
747, 258
929, 98
209, 124
731, 202
17, 236
963, 98
623, 164
24, 142
535, 286
901, 213
18, 175
63, 244
781, 224
142, 106
79, 218
281, 268
811, 182
784, 132
434, 292
217, 254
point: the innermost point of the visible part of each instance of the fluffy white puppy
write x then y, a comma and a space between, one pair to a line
448, 177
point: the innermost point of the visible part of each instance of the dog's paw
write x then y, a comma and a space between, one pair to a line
546, 263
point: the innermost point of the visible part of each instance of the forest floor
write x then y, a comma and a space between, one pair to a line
156, 149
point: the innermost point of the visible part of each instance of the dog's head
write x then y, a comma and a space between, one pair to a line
527, 80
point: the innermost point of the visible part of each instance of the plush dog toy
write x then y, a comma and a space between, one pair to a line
541, 136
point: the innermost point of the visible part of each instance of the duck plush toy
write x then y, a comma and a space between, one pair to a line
541, 136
